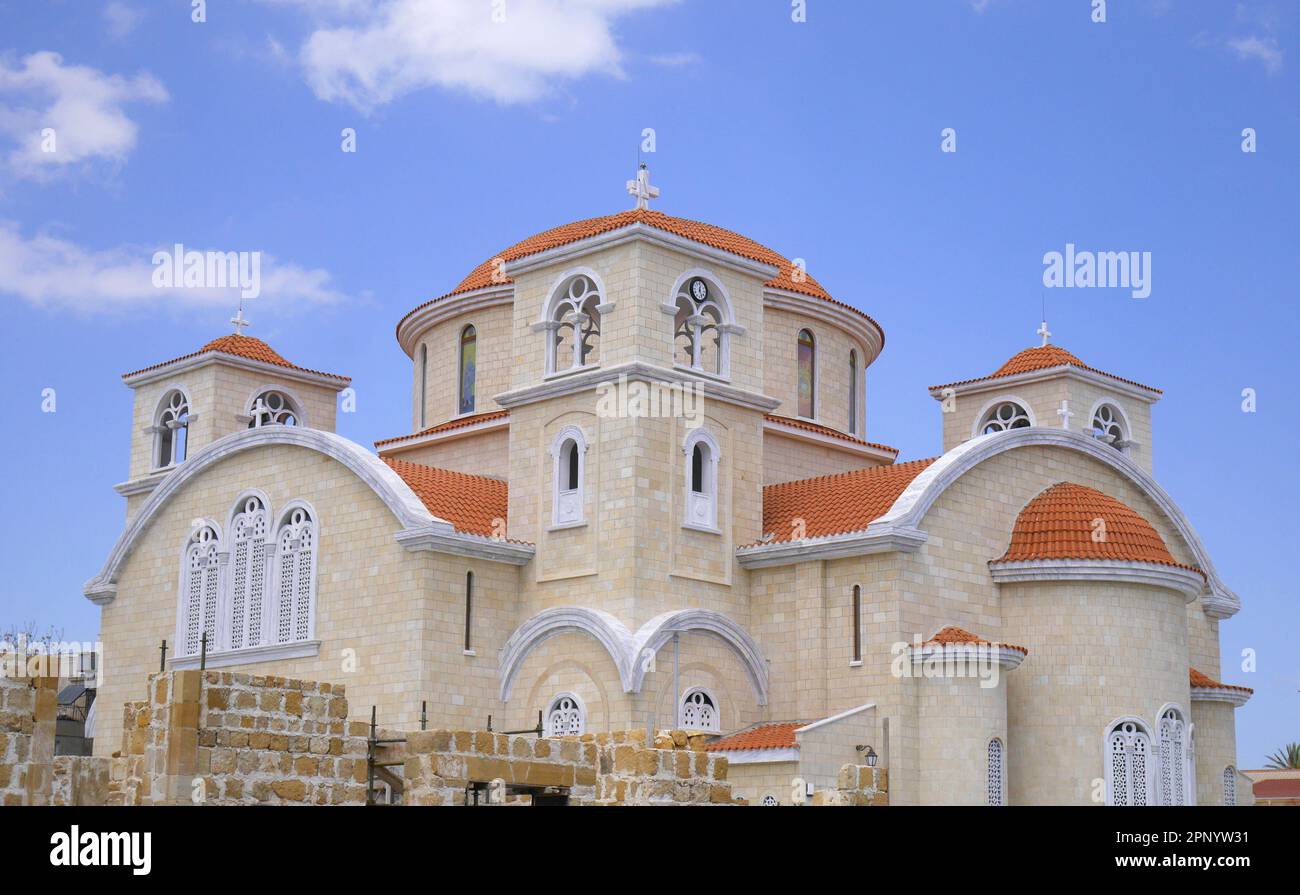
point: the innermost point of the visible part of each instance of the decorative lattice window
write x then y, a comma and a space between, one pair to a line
1229, 785
699, 334
770, 801
172, 429
807, 380
468, 369
200, 579
1004, 417
1108, 426
996, 776
1128, 761
273, 408
296, 576
573, 325
699, 711
565, 717
1174, 756
249, 529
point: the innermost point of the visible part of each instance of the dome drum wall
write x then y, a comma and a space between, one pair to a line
831, 368
957, 717
1216, 747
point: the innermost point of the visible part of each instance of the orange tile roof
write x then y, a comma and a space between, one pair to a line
1283, 788
450, 426
827, 431
470, 503
243, 346
836, 504
1060, 524
714, 237
1043, 357
776, 735
954, 635
1201, 680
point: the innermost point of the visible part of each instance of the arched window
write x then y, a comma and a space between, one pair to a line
468, 369
273, 408
295, 575
568, 453
1174, 781
853, 393
1128, 764
469, 609
1108, 425
200, 582
248, 571
573, 325
807, 374
171, 429
424, 383
565, 717
857, 623
699, 326
1004, 417
702, 458
698, 711
770, 801
997, 792
1229, 785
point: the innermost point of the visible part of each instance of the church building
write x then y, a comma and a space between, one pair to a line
638, 491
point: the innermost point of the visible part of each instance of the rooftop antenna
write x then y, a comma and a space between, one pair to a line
1042, 328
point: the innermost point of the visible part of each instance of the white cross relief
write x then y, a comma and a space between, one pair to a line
1045, 333
260, 413
240, 322
641, 188
1065, 413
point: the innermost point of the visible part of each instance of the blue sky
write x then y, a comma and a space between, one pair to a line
820, 139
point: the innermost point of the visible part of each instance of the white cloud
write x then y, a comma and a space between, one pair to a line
1264, 50
82, 105
677, 60
48, 271
121, 19
510, 51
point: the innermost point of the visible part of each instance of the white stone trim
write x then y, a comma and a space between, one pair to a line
416, 440
585, 379
854, 543
416, 323
1234, 698
440, 537
271, 652
820, 439
758, 756
1006, 657
655, 634
833, 718
1185, 581
177, 367
726, 328
144, 484
916, 500
709, 496
577, 703
867, 331
679, 720
1153, 797
1006, 398
1064, 371
1123, 417
608, 631
558, 520
388, 485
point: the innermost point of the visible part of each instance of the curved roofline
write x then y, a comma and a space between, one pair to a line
387, 484
911, 506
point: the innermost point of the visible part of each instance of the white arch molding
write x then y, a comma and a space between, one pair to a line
727, 327
295, 401
395, 493
630, 653
1003, 399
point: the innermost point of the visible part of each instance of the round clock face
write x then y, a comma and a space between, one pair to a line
699, 290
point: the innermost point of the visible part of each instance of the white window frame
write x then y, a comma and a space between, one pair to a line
1126, 430
281, 519
164, 405
568, 506
1143, 730
701, 507
460, 371
855, 393
719, 297
578, 706
986, 412
1182, 774
998, 798
715, 726
181, 647
548, 324
816, 375
296, 407
250, 585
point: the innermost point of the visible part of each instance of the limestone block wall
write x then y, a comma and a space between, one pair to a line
831, 392
1216, 750
958, 718
858, 786
754, 781
486, 454
790, 459
826, 746
494, 351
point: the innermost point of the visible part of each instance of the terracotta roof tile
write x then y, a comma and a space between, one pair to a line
243, 346
955, 635
1201, 680
469, 502
835, 504
1285, 788
1060, 524
714, 237
775, 735
827, 431
1043, 358
450, 426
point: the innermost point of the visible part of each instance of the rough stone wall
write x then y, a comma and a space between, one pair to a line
30, 772
858, 786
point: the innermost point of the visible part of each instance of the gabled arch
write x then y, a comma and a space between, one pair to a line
395, 493
608, 631
654, 634
911, 506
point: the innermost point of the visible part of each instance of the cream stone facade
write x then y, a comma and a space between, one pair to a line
614, 510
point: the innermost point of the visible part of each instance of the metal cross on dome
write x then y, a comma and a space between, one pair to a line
641, 188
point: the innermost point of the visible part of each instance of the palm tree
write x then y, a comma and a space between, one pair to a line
1286, 758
